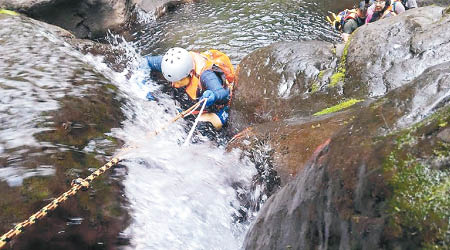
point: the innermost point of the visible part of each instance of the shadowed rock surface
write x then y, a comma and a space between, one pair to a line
57, 110
370, 186
376, 175
277, 82
89, 18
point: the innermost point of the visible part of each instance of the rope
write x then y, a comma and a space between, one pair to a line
76, 186
195, 123
180, 115
82, 184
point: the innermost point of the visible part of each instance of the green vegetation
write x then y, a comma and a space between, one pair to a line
314, 87
8, 12
338, 107
339, 76
336, 78
321, 73
36, 189
420, 180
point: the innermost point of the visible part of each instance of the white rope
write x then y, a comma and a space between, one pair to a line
188, 139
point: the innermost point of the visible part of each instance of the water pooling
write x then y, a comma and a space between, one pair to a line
236, 27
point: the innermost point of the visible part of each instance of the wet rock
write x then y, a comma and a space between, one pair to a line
293, 141
160, 7
443, 3
80, 108
277, 82
391, 52
445, 135
88, 18
370, 186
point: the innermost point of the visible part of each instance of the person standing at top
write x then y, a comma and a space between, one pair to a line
348, 21
207, 75
381, 9
355, 19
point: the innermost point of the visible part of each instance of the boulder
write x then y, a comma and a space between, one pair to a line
292, 142
371, 185
58, 111
391, 52
277, 82
88, 18
159, 7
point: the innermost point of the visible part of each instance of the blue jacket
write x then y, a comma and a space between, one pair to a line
208, 79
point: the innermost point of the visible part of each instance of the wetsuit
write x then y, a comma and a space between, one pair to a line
209, 81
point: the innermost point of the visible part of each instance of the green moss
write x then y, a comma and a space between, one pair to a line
339, 76
315, 87
36, 188
421, 202
336, 78
111, 87
321, 73
8, 12
419, 207
338, 107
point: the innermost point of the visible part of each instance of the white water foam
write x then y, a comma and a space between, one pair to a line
179, 197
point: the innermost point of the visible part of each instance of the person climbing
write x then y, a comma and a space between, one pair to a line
348, 21
354, 20
207, 75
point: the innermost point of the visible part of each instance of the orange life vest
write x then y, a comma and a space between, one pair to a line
214, 60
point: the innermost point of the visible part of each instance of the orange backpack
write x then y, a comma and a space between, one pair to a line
222, 64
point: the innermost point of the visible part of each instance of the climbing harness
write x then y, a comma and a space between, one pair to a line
84, 184
188, 139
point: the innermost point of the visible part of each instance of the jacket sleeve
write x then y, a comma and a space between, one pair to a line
154, 62
210, 81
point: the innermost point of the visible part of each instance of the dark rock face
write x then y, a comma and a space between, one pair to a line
87, 108
391, 52
367, 177
294, 141
276, 82
88, 18
352, 193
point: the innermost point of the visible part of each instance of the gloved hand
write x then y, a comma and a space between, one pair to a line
150, 96
211, 97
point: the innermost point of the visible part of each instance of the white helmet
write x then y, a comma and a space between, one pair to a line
176, 64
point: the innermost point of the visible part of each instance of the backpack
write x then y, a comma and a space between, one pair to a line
342, 17
221, 65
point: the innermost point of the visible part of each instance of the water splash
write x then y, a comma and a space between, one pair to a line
179, 197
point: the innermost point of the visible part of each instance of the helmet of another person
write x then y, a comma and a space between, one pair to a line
176, 64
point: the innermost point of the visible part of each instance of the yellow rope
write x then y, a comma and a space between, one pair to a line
80, 184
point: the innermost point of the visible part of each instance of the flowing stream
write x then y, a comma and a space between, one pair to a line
178, 197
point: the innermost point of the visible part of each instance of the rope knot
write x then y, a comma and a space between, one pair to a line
84, 184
